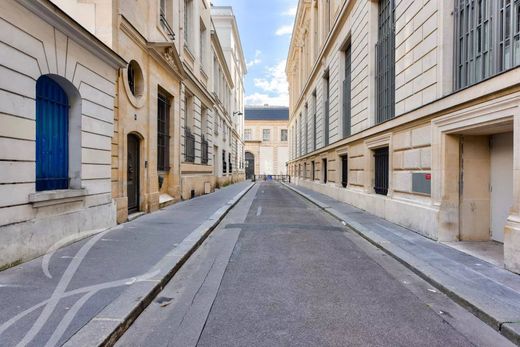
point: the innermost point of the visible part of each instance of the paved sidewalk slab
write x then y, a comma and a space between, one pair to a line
95, 288
490, 292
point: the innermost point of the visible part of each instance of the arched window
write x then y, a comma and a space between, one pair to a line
52, 135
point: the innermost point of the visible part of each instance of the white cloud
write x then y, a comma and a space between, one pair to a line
274, 87
291, 12
284, 30
257, 60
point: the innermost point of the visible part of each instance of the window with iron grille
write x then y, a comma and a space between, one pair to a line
324, 170
381, 171
344, 171
313, 168
347, 93
230, 163
189, 146
224, 165
163, 133
326, 105
205, 150
487, 39
385, 55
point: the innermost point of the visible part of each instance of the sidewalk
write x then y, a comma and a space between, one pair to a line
489, 292
92, 289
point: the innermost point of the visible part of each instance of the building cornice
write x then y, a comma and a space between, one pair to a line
53, 15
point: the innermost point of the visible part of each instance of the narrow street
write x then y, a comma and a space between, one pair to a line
278, 271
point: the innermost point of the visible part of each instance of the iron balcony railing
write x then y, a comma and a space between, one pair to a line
189, 146
204, 149
166, 26
277, 178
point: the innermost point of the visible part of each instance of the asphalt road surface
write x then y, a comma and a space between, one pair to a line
278, 271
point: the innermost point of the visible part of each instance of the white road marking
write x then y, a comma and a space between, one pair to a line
259, 211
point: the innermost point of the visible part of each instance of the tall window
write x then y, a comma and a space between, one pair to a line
326, 105
52, 135
385, 76
347, 93
266, 134
306, 145
247, 134
283, 135
381, 171
344, 171
509, 34
313, 170
324, 170
188, 4
301, 136
224, 165
487, 39
314, 122
163, 133
202, 47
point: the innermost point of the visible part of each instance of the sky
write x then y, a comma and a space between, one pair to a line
265, 31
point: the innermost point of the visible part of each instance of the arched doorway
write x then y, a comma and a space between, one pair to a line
250, 165
52, 135
133, 177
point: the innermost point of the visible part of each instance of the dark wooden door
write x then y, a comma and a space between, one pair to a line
250, 166
133, 173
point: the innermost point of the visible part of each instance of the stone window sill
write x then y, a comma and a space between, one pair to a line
55, 197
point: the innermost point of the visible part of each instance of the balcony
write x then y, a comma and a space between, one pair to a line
189, 146
166, 26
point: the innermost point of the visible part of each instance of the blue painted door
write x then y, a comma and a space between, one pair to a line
52, 135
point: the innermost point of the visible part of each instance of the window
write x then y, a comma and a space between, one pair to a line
135, 79
347, 93
487, 39
266, 134
247, 134
326, 105
306, 142
508, 34
230, 163
301, 136
52, 135
188, 4
381, 170
305, 170
283, 135
202, 47
313, 170
166, 17
385, 74
224, 166
324, 170
344, 171
163, 133
314, 123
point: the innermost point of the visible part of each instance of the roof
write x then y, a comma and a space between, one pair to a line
267, 113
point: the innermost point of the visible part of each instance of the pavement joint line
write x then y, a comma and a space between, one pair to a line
107, 335
386, 246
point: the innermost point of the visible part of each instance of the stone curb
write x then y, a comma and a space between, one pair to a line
509, 329
111, 322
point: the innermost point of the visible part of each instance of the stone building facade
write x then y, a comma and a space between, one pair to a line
57, 103
209, 140
145, 142
411, 111
266, 138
